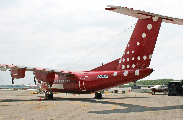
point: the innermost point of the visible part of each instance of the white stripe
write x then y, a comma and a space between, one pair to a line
79, 84
58, 86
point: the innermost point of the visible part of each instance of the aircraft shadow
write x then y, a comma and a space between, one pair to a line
127, 108
130, 108
160, 94
65, 99
120, 107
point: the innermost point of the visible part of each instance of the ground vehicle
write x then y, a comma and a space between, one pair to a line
175, 88
159, 88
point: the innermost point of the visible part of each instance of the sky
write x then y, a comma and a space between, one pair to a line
81, 35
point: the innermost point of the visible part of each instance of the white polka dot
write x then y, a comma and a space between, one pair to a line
115, 73
123, 67
128, 52
144, 57
137, 72
133, 65
128, 66
123, 59
138, 43
138, 57
132, 51
143, 35
127, 59
155, 18
149, 26
119, 60
133, 58
125, 73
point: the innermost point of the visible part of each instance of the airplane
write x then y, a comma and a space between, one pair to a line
159, 88
132, 66
33, 86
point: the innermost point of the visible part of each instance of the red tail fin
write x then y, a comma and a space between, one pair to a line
139, 50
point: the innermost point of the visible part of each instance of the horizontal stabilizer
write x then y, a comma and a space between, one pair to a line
143, 15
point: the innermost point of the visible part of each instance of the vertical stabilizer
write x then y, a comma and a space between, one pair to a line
139, 50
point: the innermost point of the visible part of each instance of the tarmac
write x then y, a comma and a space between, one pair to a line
21, 105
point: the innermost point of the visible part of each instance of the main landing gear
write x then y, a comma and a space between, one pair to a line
153, 93
98, 95
49, 94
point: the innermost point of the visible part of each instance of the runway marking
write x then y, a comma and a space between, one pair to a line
83, 105
47, 106
146, 106
113, 107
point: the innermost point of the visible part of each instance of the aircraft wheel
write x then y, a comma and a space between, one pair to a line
98, 95
48, 95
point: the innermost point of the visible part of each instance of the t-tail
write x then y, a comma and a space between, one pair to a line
139, 50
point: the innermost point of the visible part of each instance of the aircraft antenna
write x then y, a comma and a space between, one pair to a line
101, 46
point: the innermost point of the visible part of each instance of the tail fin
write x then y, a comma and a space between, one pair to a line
139, 50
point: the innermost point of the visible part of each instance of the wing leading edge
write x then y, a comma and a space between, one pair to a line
45, 75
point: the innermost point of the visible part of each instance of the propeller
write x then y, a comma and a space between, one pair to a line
34, 80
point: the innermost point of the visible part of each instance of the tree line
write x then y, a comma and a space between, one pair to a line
150, 82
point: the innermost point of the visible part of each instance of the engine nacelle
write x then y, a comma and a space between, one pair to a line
18, 73
44, 76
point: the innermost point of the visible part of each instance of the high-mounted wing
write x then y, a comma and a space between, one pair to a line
45, 75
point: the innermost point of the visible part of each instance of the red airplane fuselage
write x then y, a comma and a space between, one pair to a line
91, 81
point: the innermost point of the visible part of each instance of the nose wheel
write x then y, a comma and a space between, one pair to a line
98, 95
